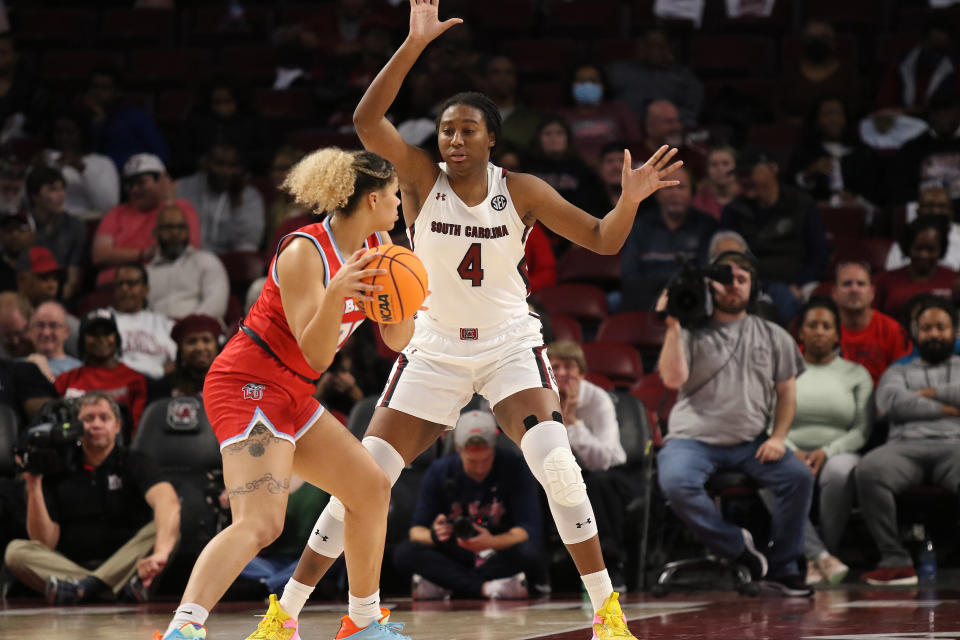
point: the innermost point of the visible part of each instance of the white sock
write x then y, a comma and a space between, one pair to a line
295, 595
598, 587
187, 612
364, 610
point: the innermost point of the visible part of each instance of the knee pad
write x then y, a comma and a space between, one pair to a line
547, 452
327, 535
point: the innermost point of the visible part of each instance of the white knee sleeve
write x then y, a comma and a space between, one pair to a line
547, 452
327, 535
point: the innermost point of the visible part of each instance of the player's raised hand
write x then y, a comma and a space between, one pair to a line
640, 183
425, 25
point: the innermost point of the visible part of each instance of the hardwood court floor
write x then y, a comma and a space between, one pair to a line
834, 614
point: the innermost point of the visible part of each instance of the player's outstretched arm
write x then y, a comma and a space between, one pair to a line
536, 200
376, 132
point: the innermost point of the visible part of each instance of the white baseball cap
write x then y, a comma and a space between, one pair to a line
475, 428
143, 163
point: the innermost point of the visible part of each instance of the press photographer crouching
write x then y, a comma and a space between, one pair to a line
100, 521
733, 371
477, 528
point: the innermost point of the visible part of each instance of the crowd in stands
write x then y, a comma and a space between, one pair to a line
140, 207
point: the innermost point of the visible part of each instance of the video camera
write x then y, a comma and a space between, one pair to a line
48, 447
688, 294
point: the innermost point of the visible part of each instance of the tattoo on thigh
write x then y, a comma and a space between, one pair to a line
255, 444
271, 484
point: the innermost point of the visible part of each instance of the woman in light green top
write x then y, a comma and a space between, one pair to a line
832, 423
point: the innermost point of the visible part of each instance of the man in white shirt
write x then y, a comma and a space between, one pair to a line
594, 435
145, 335
184, 280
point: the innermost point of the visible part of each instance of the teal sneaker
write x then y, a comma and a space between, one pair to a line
188, 631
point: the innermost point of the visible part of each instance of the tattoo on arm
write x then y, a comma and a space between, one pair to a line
273, 485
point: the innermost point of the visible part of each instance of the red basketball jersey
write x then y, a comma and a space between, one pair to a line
267, 318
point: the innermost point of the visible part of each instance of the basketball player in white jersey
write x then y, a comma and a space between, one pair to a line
468, 221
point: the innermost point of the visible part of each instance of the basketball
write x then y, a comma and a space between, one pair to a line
404, 284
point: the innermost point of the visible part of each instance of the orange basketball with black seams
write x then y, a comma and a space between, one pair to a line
404, 284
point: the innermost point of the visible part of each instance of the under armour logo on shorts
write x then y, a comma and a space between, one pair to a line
253, 391
442, 196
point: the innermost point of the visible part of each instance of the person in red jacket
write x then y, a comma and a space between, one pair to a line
541, 263
99, 348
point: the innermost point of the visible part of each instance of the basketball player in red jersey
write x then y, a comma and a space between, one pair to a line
468, 221
259, 395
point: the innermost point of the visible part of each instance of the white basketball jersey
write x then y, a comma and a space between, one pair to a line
473, 255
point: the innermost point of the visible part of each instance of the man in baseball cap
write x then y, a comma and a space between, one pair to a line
477, 527
39, 275
126, 233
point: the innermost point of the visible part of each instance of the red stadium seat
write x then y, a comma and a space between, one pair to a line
256, 62
871, 250
499, 16
566, 328
600, 380
658, 400
586, 303
154, 68
642, 329
213, 25
311, 139
581, 18
582, 265
243, 267
732, 55
174, 105
142, 26
847, 222
102, 297
57, 25
618, 361
544, 56
606, 50
75, 65
289, 104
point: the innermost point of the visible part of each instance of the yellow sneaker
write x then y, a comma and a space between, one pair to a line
275, 624
609, 622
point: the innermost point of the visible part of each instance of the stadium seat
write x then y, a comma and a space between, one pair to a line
583, 18
159, 68
55, 25
606, 50
75, 65
255, 62
174, 105
847, 13
177, 436
642, 329
504, 16
618, 361
310, 139
243, 267
566, 328
123, 26
780, 138
600, 380
586, 303
713, 55
101, 297
792, 50
213, 25
582, 265
848, 222
291, 105
871, 250
658, 400
547, 57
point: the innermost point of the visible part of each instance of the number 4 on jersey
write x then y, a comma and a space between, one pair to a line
470, 267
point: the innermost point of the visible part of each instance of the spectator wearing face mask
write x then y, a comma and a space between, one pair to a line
594, 118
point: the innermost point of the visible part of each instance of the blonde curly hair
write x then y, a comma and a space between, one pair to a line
332, 179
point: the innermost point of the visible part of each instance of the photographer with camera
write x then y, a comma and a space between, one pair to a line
89, 522
735, 372
477, 528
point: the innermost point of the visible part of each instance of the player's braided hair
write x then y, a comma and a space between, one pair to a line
332, 179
